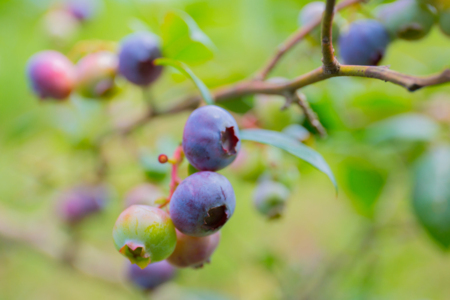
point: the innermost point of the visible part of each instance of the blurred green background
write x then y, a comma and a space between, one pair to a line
363, 244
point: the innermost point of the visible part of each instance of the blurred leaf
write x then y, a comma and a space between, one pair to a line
431, 194
184, 40
363, 183
153, 169
238, 105
183, 68
192, 169
290, 145
406, 127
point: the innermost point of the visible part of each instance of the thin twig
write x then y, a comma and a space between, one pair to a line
295, 38
300, 99
330, 63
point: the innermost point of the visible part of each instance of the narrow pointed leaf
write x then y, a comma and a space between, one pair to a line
290, 145
183, 68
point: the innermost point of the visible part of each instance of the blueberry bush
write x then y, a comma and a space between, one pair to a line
244, 149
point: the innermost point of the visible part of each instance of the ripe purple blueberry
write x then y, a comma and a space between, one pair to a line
364, 43
144, 194
136, 58
144, 234
270, 198
193, 251
151, 276
51, 74
81, 202
96, 74
211, 138
202, 204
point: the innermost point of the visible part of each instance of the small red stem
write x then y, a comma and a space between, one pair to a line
177, 159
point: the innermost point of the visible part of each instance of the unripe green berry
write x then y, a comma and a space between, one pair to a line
144, 234
444, 21
407, 19
270, 198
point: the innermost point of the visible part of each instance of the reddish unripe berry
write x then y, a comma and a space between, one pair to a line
81, 202
193, 251
202, 204
96, 73
151, 276
211, 138
51, 74
144, 194
136, 58
144, 234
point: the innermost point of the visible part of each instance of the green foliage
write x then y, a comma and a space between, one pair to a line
290, 145
184, 40
431, 194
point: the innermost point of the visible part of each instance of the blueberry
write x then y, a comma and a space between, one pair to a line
82, 201
51, 74
193, 251
211, 138
144, 194
407, 19
137, 53
202, 204
144, 234
270, 198
151, 276
96, 74
364, 43
82, 10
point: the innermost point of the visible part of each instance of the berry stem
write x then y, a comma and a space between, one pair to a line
176, 161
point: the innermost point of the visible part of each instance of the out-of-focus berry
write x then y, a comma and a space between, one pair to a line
51, 74
202, 204
407, 19
60, 25
270, 198
193, 251
211, 138
151, 276
144, 194
364, 43
144, 234
96, 73
311, 12
82, 201
136, 58
82, 10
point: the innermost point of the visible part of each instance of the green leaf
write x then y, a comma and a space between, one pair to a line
290, 145
405, 127
363, 182
183, 68
431, 194
184, 40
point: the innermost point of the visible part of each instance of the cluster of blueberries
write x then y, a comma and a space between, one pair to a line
364, 42
53, 76
158, 239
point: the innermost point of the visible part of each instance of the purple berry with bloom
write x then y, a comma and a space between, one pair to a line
81, 202
151, 276
136, 58
364, 43
202, 204
211, 138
